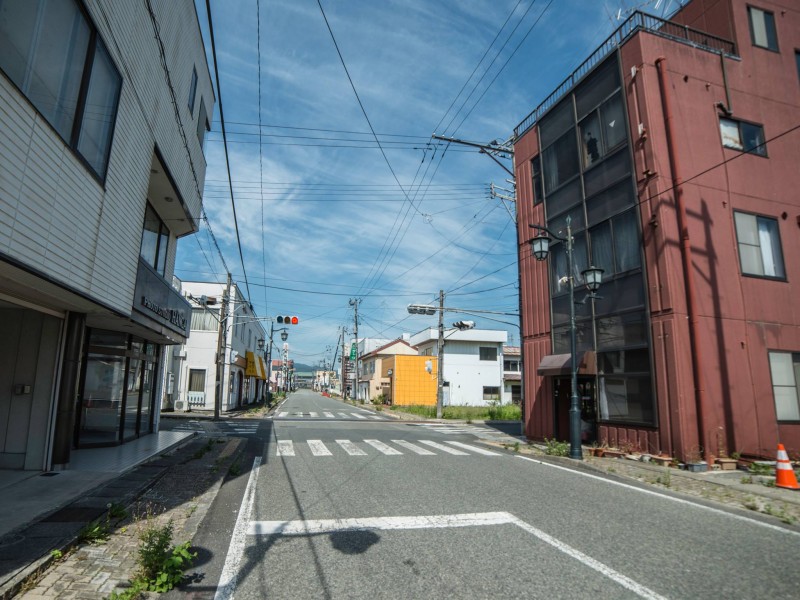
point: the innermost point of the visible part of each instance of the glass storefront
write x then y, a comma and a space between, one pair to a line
117, 389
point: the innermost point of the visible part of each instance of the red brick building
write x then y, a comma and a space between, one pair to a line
674, 151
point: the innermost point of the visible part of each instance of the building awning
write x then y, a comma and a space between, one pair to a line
561, 364
255, 366
512, 377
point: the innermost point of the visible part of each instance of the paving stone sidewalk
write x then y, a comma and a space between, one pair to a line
182, 494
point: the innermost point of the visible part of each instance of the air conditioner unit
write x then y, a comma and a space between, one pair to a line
180, 405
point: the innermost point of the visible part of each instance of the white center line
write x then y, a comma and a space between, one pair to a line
414, 448
385, 449
351, 448
318, 448
285, 448
443, 448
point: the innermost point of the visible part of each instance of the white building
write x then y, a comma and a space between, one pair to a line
192, 367
103, 110
473, 363
512, 375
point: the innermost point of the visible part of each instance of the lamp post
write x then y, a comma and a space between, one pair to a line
541, 248
260, 344
268, 353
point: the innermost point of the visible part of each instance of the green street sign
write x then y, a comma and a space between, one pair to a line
353, 352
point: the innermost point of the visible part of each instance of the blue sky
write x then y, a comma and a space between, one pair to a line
325, 214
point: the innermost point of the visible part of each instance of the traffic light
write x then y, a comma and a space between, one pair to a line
421, 309
462, 325
287, 320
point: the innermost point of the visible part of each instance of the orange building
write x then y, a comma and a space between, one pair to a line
412, 380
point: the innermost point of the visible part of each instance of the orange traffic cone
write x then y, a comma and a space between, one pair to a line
784, 474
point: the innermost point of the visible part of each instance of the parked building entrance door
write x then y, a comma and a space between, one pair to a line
588, 401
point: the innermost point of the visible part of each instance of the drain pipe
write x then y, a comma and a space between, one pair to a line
686, 256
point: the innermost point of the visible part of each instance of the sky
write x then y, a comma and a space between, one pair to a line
347, 197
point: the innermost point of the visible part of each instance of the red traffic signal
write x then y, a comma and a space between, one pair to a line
287, 320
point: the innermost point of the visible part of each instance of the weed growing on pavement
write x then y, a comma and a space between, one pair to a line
761, 469
202, 451
117, 511
751, 504
161, 564
56, 554
95, 532
556, 448
191, 510
768, 482
665, 479
235, 469
746, 479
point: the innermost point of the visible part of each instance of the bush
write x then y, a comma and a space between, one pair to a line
556, 448
161, 564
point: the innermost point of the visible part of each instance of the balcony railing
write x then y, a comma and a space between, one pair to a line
637, 22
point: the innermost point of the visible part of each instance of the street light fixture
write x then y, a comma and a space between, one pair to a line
540, 246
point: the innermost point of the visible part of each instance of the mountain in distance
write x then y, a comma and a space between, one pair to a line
304, 368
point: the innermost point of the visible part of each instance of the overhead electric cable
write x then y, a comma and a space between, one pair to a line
227, 161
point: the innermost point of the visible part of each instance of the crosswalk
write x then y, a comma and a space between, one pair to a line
326, 414
366, 447
233, 428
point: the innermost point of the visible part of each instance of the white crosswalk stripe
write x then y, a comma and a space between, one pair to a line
285, 448
376, 417
474, 449
318, 448
443, 448
358, 416
329, 415
313, 415
383, 448
351, 448
414, 448
343, 415
283, 414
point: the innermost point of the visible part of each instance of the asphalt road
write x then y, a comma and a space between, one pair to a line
350, 507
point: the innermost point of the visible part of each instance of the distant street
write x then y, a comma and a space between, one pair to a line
335, 503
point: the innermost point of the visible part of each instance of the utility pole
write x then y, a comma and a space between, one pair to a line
221, 346
440, 352
344, 359
354, 302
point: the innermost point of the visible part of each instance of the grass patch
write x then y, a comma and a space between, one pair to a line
204, 450
556, 448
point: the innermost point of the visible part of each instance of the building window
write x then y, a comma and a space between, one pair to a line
511, 366
536, 168
615, 244
192, 90
797, 60
197, 380
785, 370
762, 28
560, 161
155, 241
202, 124
488, 353
759, 246
491, 393
54, 56
602, 131
742, 136
204, 319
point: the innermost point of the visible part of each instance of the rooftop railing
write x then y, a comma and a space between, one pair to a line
637, 22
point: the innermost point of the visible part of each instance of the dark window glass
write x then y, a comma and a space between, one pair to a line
602, 131
797, 60
102, 97
561, 307
155, 241
43, 49
619, 331
560, 161
606, 173
620, 294
746, 137
491, 393
488, 353
762, 28
759, 244
564, 198
192, 90
556, 122
597, 87
626, 242
609, 202
583, 337
612, 119
536, 168
626, 399
558, 262
603, 248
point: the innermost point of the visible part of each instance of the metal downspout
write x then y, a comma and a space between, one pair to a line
686, 256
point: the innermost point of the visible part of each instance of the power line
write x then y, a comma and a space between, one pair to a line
227, 161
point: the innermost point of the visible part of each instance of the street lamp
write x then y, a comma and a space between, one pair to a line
268, 354
540, 246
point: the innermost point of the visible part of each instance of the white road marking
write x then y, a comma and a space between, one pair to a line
351, 448
414, 448
474, 449
443, 448
322, 526
318, 448
328, 414
665, 497
313, 415
285, 448
383, 448
282, 413
376, 417
230, 570
343, 415
358, 416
